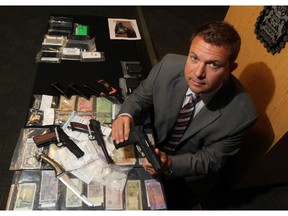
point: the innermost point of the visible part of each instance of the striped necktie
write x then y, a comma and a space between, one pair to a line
184, 118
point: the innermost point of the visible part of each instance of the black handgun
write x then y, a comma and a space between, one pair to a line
80, 90
95, 133
59, 137
61, 90
139, 138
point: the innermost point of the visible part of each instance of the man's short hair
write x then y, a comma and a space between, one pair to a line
220, 33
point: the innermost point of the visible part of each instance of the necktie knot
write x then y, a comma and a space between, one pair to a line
192, 100
194, 97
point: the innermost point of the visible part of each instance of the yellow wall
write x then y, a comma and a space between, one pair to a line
266, 78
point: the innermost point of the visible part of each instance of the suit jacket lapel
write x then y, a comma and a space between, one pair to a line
204, 118
176, 99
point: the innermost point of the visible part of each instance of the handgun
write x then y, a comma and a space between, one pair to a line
59, 137
80, 90
61, 90
139, 138
94, 133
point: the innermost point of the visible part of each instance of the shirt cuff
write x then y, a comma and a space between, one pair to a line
125, 114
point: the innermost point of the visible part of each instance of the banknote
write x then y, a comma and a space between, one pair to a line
48, 189
125, 155
103, 110
113, 199
87, 115
67, 105
71, 199
133, 195
25, 196
84, 105
28, 160
95, 193
155, 197
62, 116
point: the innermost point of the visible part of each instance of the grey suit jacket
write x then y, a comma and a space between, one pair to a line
213, 135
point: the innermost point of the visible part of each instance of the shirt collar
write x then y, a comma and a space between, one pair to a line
205, 97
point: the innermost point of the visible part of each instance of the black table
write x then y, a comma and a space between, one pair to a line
88, 72
68, 71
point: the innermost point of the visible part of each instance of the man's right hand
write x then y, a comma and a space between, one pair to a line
121, 128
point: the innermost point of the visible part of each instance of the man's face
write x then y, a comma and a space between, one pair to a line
207, 66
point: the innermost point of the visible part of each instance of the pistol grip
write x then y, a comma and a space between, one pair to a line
132, 140
122, 144
45, 139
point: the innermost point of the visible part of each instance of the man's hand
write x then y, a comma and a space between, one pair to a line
165, 159
121, 128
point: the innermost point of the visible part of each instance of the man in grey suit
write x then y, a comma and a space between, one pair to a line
222, 113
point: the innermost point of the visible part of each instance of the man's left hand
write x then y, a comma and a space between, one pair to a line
165, 159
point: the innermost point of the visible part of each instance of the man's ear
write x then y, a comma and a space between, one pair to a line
233, 67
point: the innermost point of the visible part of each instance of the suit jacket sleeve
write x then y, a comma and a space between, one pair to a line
158, 89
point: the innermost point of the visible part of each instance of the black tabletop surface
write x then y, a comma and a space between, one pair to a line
110, 70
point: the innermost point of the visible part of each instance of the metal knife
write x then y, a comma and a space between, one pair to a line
62, 176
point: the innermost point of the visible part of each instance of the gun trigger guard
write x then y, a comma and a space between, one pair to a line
91, 137
60, 144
